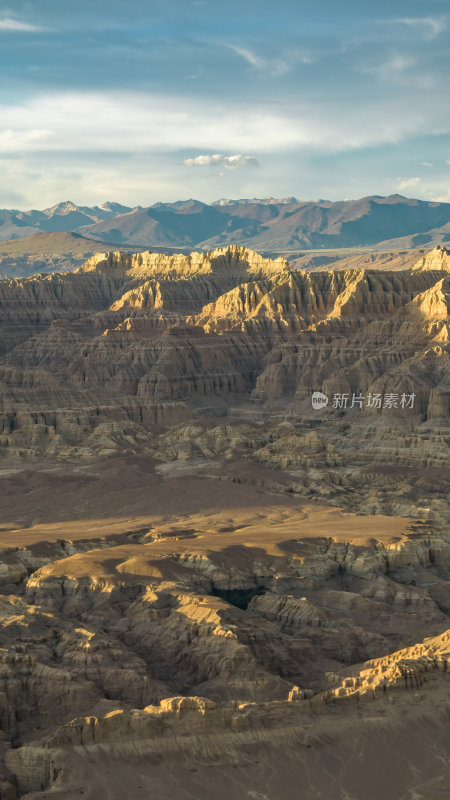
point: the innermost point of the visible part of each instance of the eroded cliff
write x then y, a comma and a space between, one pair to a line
203, 576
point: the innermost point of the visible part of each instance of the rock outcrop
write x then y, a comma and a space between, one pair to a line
437, 260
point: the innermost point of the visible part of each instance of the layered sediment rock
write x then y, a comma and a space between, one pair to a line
217, 647
197, 564
436, 260
220, 328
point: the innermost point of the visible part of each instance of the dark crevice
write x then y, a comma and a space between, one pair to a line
238, 597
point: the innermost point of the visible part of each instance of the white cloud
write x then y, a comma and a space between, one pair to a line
404, 71
127, 122
408, 183
394, 66
275, 66
13, 140
219, 160
440, 198
129, 146
431, 26
426, 164
448, 161
248, 55
15, 25
124, 122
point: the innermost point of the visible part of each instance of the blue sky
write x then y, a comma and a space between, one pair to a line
142, 101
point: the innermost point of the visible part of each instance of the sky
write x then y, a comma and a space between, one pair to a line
141, 101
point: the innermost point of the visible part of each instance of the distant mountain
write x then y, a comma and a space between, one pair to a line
183, 224
62, 217
391, 261
282, 226
67, 244
46, 252
57, 252
267, 225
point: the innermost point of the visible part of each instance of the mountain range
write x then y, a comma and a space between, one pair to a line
267, 224
47, 252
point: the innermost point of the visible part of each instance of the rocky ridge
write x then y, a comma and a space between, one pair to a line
143, 336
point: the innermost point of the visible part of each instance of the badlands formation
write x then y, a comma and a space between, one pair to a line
210, 588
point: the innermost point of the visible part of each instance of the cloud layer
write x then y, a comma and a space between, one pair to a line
139, 122
330, 100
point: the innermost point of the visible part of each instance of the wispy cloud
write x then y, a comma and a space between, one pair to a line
426, 164
275, 66
9, 24
407, 183
430, 26
248, 55
219, 160
396, 65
